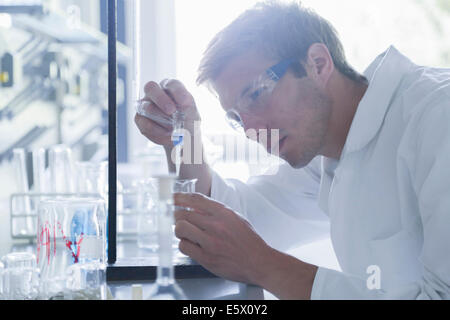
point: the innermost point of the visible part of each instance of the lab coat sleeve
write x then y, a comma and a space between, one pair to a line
430, 177
282, 207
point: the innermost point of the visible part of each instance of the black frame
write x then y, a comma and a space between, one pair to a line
112, 134
121, 270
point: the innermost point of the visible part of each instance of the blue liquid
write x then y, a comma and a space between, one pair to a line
176, 140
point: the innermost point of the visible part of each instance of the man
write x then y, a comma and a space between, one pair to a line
383, 139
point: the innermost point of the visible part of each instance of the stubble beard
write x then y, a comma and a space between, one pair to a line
313, 139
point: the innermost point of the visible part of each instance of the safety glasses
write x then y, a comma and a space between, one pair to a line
256, 96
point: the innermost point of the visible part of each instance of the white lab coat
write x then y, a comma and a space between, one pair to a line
387, 198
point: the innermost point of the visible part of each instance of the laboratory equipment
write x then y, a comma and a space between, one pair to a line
86, 281
177, 139
21, 170
128, 210
21, 176
22, 222
70, 230
40, 183
165, 287
177, 136
147, 237
92, 177
62, 170
20, 276
187, 186
53, 77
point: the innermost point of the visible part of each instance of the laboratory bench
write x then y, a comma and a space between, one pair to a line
199, 287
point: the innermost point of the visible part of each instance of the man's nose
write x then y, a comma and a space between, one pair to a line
252, 126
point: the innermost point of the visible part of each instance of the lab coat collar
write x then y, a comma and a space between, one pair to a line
384, 75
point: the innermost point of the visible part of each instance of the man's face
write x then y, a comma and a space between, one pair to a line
297, 107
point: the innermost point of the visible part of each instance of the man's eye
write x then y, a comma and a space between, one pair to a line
255, 94
233, 116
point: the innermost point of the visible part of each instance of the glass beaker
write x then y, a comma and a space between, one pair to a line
70, 230
20, 276
182, 185
86, 281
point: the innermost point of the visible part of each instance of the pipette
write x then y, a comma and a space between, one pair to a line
177, 138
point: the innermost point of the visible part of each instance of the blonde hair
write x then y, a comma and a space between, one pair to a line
280, 31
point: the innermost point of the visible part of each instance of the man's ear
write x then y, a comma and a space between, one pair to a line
319, 63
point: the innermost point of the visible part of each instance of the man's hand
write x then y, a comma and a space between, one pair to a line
163, 100
219, 239
226, 244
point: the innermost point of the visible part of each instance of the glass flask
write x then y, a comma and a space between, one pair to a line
165, 287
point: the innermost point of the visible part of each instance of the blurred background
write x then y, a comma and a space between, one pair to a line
53, 75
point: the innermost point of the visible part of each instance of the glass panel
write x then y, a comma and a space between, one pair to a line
136, 229
53, 108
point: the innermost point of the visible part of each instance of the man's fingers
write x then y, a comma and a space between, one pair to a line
178, 92
157, 95
199, 219
192, 250
150, 108
152, 130
186, 230
199, 202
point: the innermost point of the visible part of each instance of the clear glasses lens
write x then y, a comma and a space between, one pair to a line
257, 97
235, 120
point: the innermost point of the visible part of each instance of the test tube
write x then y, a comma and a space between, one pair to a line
62, 171
21, 169
22, 179
39, 183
